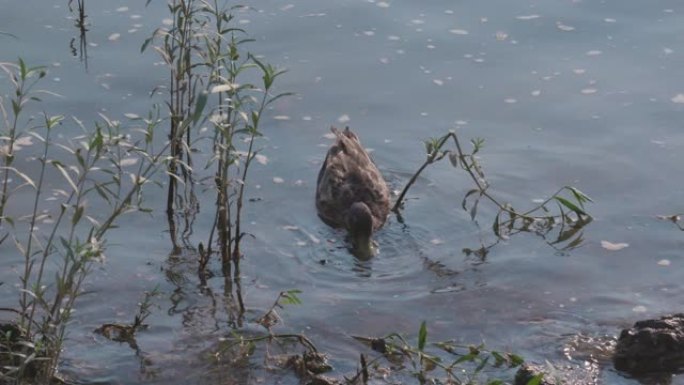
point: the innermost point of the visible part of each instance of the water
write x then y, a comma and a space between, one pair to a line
575, 92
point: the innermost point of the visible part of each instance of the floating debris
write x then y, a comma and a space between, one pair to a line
679, 99
613, 246
128, 162
564, 27
458, 31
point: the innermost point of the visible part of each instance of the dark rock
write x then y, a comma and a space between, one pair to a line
655, 345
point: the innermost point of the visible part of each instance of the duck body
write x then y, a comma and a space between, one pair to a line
351, 192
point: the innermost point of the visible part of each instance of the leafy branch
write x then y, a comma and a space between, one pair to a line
460, 364
568, 201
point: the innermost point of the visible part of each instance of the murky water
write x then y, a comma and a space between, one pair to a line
587, 93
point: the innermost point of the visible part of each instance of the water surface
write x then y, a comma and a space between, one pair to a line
575, 92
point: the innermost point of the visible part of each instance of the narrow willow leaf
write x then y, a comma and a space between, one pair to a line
422, 336
465, 358
199, 107
465, 198
78, 213
580, 196
499, 359
453, 158
273, 99
495, 225
147, 42
429, 146
23, 176
473, 210
292, 298
570, 205
66, 176
54, 120
482, 364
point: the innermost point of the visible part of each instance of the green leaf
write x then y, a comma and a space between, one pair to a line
516, 360
466, 358
22, 69
453, 158
273, 99
580, 196
54, 120
496, 225
429, 146
78, 213
500, 359
473, 210
482, 364
23, 176
465, 198
199, 107
570, 205
65, 174
536, 380
422, 336
147, 42
16, 108
290, 297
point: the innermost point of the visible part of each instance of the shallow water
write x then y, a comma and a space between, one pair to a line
575, 92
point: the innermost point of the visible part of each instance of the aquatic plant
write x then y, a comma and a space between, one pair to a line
296, 350
126, 332
60, 238
82, 26
448, 363
569, 217
400, 358
81, 15
205, 56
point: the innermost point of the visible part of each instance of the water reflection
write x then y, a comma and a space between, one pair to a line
81, 24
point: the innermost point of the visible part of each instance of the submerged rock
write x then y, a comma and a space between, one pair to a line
655, 345
559, 373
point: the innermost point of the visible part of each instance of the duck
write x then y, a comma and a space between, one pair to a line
351, 192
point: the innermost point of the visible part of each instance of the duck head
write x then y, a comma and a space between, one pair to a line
360, 228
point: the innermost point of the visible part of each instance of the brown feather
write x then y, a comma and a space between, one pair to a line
349, 175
